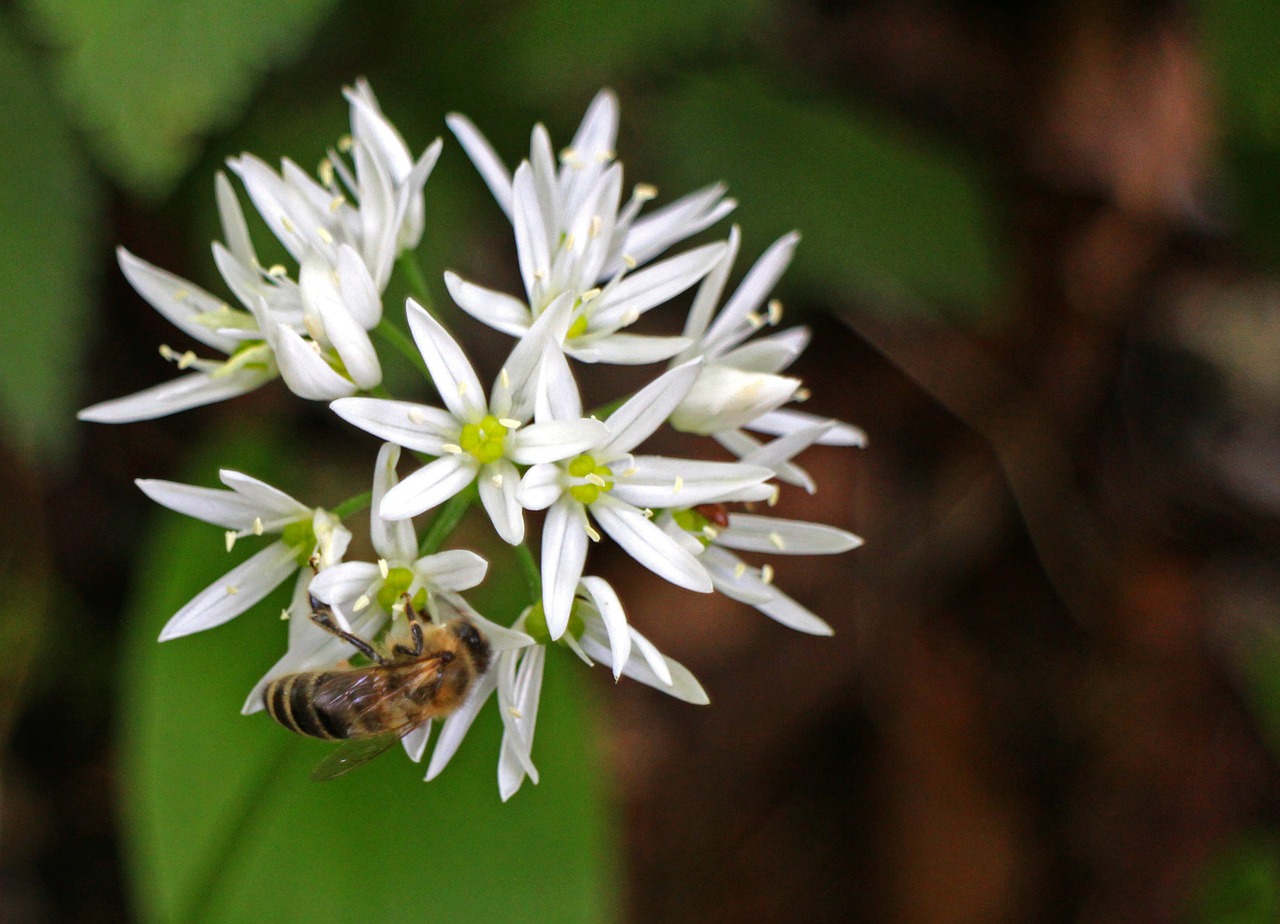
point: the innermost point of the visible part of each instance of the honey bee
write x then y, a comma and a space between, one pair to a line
372, 707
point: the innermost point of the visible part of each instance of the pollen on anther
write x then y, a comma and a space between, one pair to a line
231, 539
232, 590
452, 449
496, 480
361, 604
648, 513
596, 223
258, 528
775, 538
383, 568
324, 235
462, 389
186, 359
802, 394
596, 480
775, 311
590, 295
645, 191
515, 713
325, 169
766, 574
755, 320
284, 614
346, 143
772, 499
286, 224
631, 472
337, 202
181, 294
628, 261
510, 423
592, 534
415, 415
739, 569
504, 379
278, 270
678, 486
710, 531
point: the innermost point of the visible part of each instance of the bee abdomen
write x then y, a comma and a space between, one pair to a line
291, 701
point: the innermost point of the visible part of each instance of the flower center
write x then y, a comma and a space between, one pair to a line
301, 537
694, 523
597, 479
484, 440
394, 584
577, 328
252, 354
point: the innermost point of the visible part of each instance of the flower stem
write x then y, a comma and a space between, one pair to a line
352, 505
532, 575
450, 515
398, 339
446, 314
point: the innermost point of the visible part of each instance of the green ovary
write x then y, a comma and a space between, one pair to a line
300, 535
535, 624
396, 583
577, 328
583, 466
484, 440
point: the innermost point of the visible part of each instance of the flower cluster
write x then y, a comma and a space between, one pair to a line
591, 265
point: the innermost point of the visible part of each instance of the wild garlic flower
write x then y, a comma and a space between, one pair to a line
575, 236
714, 544
310, 538
620, 491
472, 438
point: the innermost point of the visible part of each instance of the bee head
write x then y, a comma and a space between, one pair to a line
474, 641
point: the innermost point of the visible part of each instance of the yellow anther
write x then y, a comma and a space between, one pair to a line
569, 241
232, 590
766, 574
383, 568
181, 294
802, 394
596, 480
186, 359
258, 528
678, 485
361, 604
628, 261
631, 472
324, 235
231, 539
739, 569
775, 538
452, 449
462, 389
772, 499
596, 223
515, 713
755, 320
325, 169
286, 224
346, 143
505, 381
645, 191
592, 534
416, 416
496, 480
314, 326
337, 202
775, 311
278, 271
284, 614
590, 295
510, 423
648, 513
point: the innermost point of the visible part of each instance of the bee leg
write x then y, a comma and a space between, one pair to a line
418, 642
322, 616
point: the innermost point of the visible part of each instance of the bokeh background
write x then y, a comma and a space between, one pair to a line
1041, 259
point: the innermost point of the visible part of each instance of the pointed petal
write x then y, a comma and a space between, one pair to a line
428, 487
751, 293
452, 569
496, 309
554, 440
450, 369
540, 487
498, 483
414, 426
189, 391
533, 237
614, 618
271, 502
394, 540
648, 544
658, 481
753, 533
455, 727
625, 349
415, 742
305, 371
233, 593
492, 170
708, 295
637, 292
341, 585
645, 411
213, 505
181, 302
651, 234
564, 554
785, 420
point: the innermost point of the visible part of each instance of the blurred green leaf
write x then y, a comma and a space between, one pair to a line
149, 78
882, 211
1242, 38
224, 823
566, 48
47, 210
1242, 885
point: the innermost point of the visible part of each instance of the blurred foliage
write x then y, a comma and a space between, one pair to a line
224, 823
1242, 38
49, 227
1242, 885
881, 210
150, 78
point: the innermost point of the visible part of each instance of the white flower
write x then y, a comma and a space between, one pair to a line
751, 533
741, 385
574, 236
472, 438
311, 217
309, 536
620, 491
598, 632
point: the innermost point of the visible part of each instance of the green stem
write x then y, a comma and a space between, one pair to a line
532, 575
446, 314
450, 515
400, 341
352, 505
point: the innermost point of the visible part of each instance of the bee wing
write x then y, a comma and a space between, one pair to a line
356, 753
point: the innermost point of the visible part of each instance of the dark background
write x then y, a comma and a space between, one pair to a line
1040, 253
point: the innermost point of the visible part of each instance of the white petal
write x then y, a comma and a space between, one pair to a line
496, 309
657, 481
181, 302
752, 292
520, 719
413, 426
554, 440
614, 618
498, 483
459, 722
725, 399
773, 353
428, 487
540, 487
415, 742
348, 337
564, 554
557, 396
533, 244
598, 131
648, 544
709, 292
271, 502
450, 369
674, 679
341, 585
213, 505
394, 540
235, 230
784, 420
638, 292
233, 593
305, 371
453, 569
753, 533
189, 391
748, 447
492, 170
359, 293
655, 232
625, 349
645, 411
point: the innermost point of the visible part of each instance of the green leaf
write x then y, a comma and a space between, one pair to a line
1242, 39
1242, 884
881, 210
149, 78
48, 204
224, 823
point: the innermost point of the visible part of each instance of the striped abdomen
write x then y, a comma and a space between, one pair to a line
346, 704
